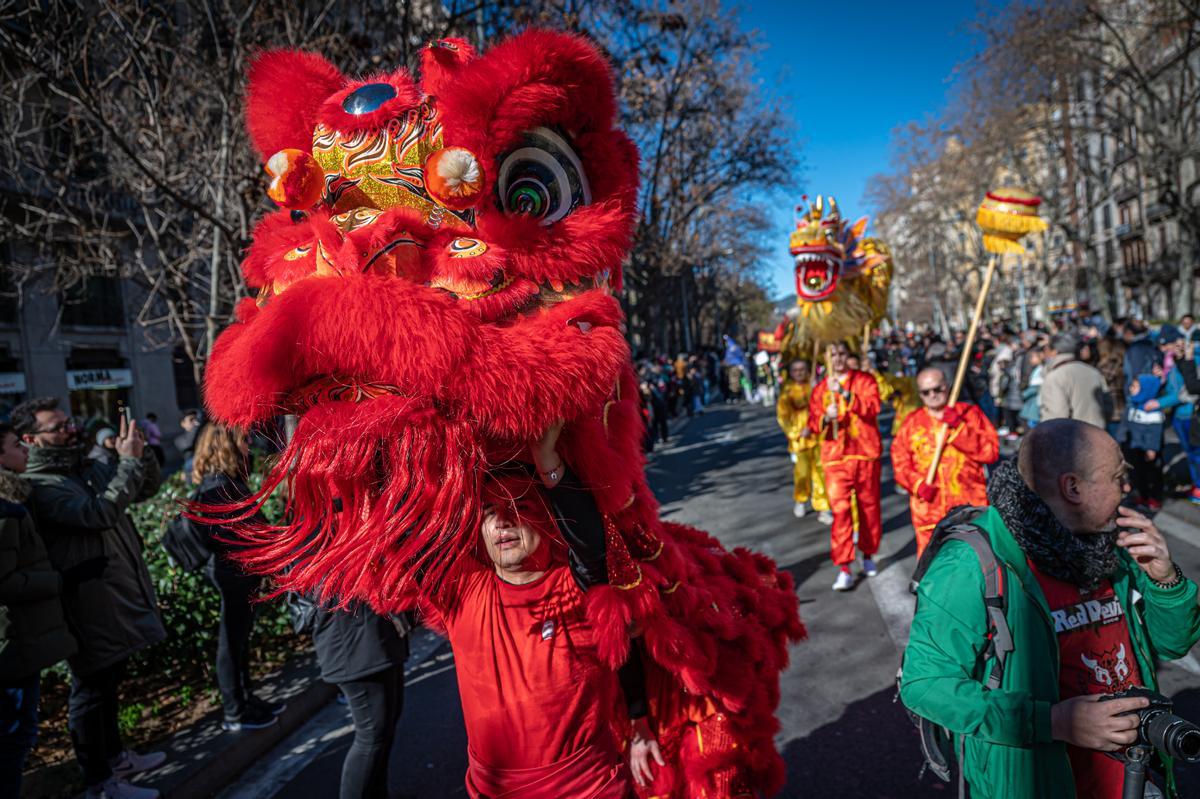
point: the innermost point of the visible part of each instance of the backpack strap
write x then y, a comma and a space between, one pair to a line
1000, 642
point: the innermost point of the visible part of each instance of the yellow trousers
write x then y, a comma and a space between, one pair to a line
808, 479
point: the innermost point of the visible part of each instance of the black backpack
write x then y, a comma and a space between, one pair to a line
186, 543
936, 741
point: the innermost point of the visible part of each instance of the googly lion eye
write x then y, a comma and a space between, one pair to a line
298, 216
543, 178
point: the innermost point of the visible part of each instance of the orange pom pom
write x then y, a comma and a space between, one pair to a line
454, 177
297, 180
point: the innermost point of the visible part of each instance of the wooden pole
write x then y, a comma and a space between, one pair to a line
866, 345
963, 362
829, 382
816, 358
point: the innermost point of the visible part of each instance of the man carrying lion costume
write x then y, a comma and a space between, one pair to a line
433, 296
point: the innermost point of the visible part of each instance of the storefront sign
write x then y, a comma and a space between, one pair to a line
98, 378
12, 383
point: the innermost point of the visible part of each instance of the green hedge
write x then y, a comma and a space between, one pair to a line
189, 603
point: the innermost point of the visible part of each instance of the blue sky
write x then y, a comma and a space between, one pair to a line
850, 73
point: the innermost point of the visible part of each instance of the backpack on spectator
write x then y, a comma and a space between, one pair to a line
937, 745
186, 544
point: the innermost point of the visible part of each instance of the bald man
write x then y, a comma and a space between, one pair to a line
971, 444
1073, 561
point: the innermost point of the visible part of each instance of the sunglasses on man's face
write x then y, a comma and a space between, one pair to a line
929, 392
61, 427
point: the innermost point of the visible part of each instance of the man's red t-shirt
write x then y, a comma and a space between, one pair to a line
1096, 657
533, 691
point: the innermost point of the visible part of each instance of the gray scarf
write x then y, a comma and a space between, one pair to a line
12, 487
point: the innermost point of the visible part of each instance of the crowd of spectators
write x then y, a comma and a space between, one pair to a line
1131, 378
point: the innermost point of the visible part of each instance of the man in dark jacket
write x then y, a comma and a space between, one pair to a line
33, 635
80, 512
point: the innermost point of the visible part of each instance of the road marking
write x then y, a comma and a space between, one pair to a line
896, 604
291, 755
1188, 663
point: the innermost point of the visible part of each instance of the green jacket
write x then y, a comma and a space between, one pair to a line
80, 512
1008, 752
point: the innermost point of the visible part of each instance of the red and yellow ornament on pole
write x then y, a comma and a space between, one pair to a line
1005, 216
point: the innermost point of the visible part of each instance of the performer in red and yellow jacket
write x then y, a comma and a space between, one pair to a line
844, 417
971, 442
808, 481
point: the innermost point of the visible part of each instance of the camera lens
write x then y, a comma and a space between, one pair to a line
1176, 737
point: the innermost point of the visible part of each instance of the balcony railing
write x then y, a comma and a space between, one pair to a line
1126, 230
1156, 211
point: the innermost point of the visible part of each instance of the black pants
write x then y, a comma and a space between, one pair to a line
1147, 475
375, 704
92, 718
233, 637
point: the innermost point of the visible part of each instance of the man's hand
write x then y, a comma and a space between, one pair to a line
642, 747
545, 455
1089, 723
130, 443
1151, 405
925, 491
951, 417
1145, 543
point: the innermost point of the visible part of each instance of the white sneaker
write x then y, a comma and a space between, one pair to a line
869, 567
800, 510
115, 788
825, 517
129, 762
844, 581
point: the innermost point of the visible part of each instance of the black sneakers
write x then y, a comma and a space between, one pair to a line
252, 718
274, 708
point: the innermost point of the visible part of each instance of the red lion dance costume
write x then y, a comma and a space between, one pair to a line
435, 293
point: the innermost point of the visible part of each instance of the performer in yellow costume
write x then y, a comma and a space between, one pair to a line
792, 412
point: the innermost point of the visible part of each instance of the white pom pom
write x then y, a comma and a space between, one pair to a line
458, 167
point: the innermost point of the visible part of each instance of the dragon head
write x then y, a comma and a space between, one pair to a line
432, 294
842, 278
492, 193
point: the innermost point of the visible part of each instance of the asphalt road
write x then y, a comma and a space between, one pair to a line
842, 734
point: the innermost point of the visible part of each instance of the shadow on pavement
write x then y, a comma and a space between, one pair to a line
871, 752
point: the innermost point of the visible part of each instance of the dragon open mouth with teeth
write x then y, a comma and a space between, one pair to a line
842, 279
435, 292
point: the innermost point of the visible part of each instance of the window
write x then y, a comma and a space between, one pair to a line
1110, 252
1107, 216
94, 302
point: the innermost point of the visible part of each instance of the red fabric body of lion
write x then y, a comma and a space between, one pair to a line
445, 301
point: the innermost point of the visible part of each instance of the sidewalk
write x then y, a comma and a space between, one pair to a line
202, 759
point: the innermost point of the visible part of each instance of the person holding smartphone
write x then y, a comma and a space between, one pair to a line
81, 511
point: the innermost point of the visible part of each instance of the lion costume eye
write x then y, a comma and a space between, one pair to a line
542, 178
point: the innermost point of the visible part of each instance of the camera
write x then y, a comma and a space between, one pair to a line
1161, 729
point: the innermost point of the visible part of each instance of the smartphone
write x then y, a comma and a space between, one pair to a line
128, 414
